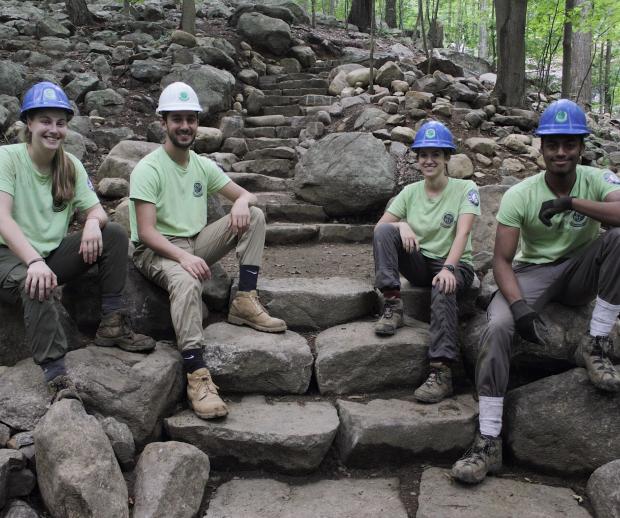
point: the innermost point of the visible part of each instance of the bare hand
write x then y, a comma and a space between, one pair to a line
408, 237
91, 246
239, 217
40, 281
196, 267
445, 281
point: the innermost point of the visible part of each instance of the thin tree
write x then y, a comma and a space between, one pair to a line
581, 61
483, 42
607, 94
567, 48
371, 74
78, 12
421, 18
313, 13
188, 16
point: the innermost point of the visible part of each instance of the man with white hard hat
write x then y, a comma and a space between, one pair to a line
174, 245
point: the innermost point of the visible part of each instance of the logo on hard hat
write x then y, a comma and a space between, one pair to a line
49, 94
561, 116
183, 96
429, 133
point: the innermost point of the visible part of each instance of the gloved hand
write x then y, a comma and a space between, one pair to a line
528, 323
550, 208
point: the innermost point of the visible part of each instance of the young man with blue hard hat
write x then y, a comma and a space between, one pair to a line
425, 235
555, 216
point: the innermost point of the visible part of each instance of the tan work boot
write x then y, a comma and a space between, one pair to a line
246, 309
593, 355
391, 319
438, 385
485, 456
62, 387
203, 397
114, 330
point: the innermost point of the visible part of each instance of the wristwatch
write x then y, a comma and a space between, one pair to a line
449, 267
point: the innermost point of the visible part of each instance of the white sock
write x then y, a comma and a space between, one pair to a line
604, 317
491, 409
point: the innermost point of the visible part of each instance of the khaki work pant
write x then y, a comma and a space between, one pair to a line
575, 282
212, 243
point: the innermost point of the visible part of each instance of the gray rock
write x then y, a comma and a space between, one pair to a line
10, 462
486, 146
351, 358
254, 101
244, 360
48, 26
460, 166
123, 157
183, 38
370, 119
81, 124
358, 175
122, 442
563, 424
54, 45
80, 86
5, 431
304, 54
11, 78
109, 137
10, 110
235, 145
403, 134
483, 235
208, 140
603, 490
21, 483
286, 437
19, 509
290, 65
170, 480
148, 70
215, 57
248, 76
395, 431
75, 144
263, 31
389, 72
344, 498
440, 497
460, 92
107, 102
76, 469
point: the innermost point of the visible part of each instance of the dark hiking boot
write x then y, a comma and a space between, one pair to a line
391, 319
114, 330
62, 387
485, 456
594, 356
438, 385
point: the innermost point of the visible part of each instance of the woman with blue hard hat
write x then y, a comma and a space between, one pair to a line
41, 186
425, 236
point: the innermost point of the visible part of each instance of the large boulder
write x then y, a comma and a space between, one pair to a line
562, 424
11, 78
76, 469
604, 490
123, 157
346, 173
270, 33
389, 72
105, 102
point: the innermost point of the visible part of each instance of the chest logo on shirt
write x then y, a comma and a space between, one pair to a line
198, 190
610, 177
577, 220
59, 206
447, 220
473, 197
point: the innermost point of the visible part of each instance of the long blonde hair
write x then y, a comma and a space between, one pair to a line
63, 169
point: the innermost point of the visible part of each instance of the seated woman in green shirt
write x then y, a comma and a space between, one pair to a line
40, 188
425, 236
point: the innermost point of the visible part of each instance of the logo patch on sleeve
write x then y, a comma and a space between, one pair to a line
90, 184
610, 177
198, 189
473, 197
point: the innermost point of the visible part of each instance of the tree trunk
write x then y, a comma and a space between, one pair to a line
607, 87
482, 30
581, 62
188, 16
371, 76
313, 13
78, 12
566, 50
390, 13
510, 22
360, 14
332, 7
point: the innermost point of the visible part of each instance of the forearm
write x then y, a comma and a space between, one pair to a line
457, 249
506, 280
16, 241
248, 198
159, 244
607, 212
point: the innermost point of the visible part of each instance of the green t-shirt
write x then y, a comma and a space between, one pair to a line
570, 231
178, 193
434, 219
43, 223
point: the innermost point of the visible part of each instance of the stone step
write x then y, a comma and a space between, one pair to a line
244, 360
351, 358
278, 167
317, 100
311, 82
273, 132
267, 120
263, 142
273, 152
311, 110
280, 436
345, 498
288, 233
298, 92
259, 183
279, 100
283, 207
288, 111
394, 431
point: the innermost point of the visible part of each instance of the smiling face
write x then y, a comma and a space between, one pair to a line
432, 161
48, 129
181, 128
562, 153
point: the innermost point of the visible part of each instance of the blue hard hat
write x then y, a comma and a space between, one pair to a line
563, 117
45, 95
433, 134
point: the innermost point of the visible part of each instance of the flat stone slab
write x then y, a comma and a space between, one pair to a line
347, 498
278, 167
244, 360
440, 497
352, 358
290, 233
289, 437
394, 430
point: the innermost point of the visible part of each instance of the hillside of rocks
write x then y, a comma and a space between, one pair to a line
322, 421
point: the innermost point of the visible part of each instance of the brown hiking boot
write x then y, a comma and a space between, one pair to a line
114, 330
438, 385
391, 319
62, 387
593, 355
246, 309
203, 397
485, 456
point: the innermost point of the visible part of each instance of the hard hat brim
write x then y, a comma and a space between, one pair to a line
180, 108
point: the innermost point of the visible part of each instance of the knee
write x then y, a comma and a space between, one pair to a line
612, 238
257, 217
114, 233
183, 283
384, 231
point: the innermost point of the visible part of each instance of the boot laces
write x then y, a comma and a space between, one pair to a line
477, 453
434, 377
206, 386
600, 351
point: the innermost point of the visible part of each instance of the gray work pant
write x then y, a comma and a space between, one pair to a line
44, 332
391, 260
577, 281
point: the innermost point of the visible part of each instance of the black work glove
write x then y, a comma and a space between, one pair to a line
528, 323
550, 208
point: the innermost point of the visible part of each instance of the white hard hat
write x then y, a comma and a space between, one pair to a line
178, 97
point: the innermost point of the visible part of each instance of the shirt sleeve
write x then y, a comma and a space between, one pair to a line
607, 182
216, 178
144, 184
85, 196
509, 212
7, 173
398, 207
470, 203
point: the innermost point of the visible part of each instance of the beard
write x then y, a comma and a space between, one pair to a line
182, 145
